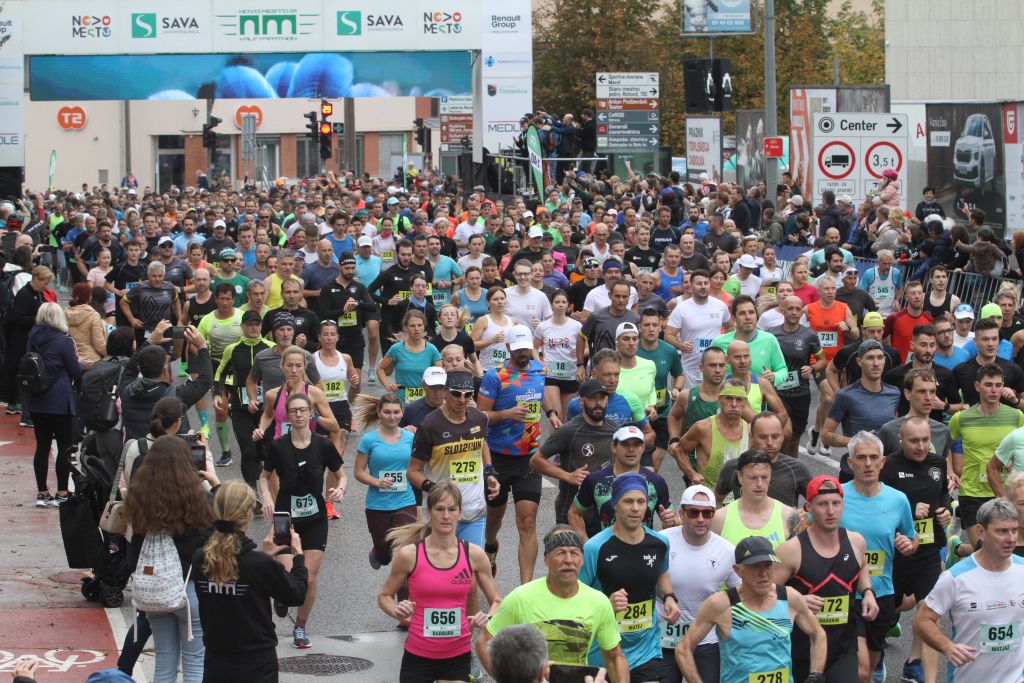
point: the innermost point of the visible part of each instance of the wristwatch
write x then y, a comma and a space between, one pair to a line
549, 411
670, 595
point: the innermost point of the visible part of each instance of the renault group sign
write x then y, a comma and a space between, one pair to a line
109, 27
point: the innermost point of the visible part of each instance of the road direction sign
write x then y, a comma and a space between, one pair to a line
627, 78
456, 123
853, 150
628, 90
628, 111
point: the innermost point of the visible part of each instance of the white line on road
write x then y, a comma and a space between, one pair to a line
119, 628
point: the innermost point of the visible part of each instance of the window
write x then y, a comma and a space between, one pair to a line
390, 153
307, 155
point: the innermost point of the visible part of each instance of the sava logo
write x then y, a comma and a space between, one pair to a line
145, 25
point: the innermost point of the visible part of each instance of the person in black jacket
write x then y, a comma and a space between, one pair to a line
393, 286
17, 323
348, 302
235, 583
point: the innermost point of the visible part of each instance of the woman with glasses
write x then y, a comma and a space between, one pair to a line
382, 463
491, 330
301, 459
555, 341
408, 359
339, 378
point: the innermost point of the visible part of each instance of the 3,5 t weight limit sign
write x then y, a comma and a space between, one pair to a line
883, 156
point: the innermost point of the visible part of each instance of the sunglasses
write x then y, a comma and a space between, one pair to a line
461, 394
227, 260
694, 513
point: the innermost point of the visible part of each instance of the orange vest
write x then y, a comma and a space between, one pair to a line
825, 321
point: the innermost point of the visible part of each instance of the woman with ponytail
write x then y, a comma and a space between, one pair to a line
235, 583
382, 463
86, 326
440, 571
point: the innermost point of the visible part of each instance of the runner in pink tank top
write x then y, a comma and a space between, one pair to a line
440, 571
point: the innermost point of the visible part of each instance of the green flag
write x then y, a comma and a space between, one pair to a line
53, 166
536, 158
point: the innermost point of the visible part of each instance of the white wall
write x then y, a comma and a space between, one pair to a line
943, 50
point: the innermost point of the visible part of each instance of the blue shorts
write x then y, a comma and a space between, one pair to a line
472, 532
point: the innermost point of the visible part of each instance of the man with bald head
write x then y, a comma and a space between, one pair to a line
801, 348
789, 477
318, 274
760, 394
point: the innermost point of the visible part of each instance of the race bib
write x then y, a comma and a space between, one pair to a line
229, 380
834, 611
792, 380
304, 506
498, 356
335, 389
399, 483
775, 676
129, 286
703, 344
883, 291
662, 397
532, 410
638, 616
286, 428
259, 394
561, 369
1000, 637
348, 319
404, 294
644, 269
466, 470
876, 561
387, 255
925, 530
441, 297
413, 393
671, 634
442, 623
829, 340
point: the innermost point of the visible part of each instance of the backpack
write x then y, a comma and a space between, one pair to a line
97, 400
157, 585
7, 291
33, 375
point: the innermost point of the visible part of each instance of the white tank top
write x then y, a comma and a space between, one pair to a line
333, 377
495, 355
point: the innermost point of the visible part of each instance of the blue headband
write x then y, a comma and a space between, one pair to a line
624, 483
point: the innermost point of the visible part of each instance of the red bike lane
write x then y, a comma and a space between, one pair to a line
42, 611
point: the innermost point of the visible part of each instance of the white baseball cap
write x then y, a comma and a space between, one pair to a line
535, 232
746, 261
520, 338
627, 433
435, 376
365, 241
689, 497
624, 328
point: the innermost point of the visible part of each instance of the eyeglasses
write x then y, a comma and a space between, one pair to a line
948, 331
227, 260
461, 394
694, 513
298, 411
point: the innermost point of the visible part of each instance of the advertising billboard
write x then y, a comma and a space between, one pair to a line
506, 72
703, 147
249, 76
711, 17
749, 147
12, 83
804, 103
1013, 146
966, 159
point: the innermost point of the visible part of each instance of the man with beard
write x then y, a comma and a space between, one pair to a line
306, 322
922, 350
789, 476
393, 286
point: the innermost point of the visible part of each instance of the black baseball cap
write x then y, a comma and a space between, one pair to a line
755, 549
251, 317
459, 380
592, 387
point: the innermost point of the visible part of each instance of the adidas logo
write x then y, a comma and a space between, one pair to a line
463, 578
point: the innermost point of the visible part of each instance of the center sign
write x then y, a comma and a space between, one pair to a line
852, 151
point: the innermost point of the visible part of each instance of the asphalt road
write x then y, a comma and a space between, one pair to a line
346, 621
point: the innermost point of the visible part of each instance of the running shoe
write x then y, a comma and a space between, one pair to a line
878, 676
225, 459
13, 408
299, 639
912, 671
331, 512
26, 421
59, 498
43, 500
280, 609
824, 450
895, 631
374, 562
371, 376
492, 555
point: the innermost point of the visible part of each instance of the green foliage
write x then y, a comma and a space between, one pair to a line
574, 39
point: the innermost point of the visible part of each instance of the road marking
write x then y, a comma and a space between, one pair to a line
119, 627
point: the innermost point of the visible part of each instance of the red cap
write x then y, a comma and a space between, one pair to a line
830, 483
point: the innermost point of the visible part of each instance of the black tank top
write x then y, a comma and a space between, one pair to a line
940, 310
835, 579
196, 310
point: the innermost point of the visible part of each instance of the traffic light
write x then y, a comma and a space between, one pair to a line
325, 129
313, 126
708, 85
421, 132
210, 137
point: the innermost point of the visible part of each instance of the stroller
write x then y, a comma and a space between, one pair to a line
85, 544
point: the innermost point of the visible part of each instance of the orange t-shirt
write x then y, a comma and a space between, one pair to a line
825, 322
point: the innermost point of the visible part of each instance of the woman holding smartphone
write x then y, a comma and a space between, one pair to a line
238, 631
382, 462
301, 459
436, 565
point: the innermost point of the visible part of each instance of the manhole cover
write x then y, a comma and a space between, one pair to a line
323, 665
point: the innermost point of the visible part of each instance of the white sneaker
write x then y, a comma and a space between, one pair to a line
371, 376
824, 450
812, 449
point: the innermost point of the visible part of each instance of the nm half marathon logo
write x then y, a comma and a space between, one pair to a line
268, 25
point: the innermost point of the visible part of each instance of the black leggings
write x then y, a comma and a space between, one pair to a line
247, 667
243, 422
48, 427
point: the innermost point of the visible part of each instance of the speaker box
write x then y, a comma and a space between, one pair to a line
695, 73
11, 178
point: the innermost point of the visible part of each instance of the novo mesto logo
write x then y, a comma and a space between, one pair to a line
144, 25
350, 23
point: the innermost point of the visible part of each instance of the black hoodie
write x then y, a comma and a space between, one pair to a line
236, 616
140, 395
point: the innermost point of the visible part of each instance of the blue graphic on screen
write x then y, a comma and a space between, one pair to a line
249, 76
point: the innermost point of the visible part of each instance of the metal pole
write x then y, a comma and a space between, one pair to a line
835, 69
771, 123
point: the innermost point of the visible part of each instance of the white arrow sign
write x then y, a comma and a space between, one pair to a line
627, 78
637, 91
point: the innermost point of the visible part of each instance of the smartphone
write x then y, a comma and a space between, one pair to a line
198, 452
567, 673
283, 529
178, 332
47, 249
190, 438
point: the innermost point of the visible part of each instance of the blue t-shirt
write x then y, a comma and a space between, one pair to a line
444, 269
315, 276
367, 270
620, 410
878, 519
409, 366
182, 241
509, 388
342, 245
1004, 350
385, 457
958, 356
248, 257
